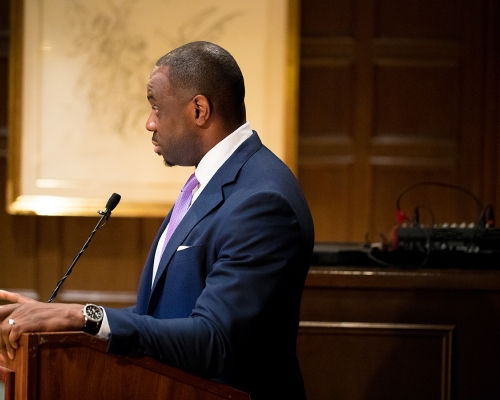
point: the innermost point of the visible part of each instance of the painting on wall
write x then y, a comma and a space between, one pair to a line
78, 107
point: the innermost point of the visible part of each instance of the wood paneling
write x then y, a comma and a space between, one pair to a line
3, 88
328, 181
397, 89
17, 245
4, 61
467, 300
375, 361
422, 19
328, 18
491, 145
416, 99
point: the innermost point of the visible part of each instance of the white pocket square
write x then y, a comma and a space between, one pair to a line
183, 248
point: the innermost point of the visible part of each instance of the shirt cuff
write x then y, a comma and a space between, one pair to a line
105, 331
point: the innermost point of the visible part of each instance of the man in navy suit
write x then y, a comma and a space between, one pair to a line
220, 296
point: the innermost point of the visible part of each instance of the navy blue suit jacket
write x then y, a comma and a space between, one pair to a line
227, 307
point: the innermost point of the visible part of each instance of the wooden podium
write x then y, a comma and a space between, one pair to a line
75, 365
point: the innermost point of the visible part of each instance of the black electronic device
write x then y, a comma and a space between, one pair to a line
467, 239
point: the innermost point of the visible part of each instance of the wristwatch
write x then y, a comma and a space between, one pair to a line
93, 318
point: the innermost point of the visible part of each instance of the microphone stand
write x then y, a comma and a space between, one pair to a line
102, 221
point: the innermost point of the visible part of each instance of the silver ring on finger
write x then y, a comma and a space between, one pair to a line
11, 322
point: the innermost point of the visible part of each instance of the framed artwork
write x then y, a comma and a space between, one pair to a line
77, 99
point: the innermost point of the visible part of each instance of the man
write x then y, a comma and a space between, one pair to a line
222, 299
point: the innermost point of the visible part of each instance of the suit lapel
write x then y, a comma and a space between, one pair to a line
144, 291
210, 197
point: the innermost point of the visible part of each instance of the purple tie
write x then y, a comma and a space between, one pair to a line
180, 207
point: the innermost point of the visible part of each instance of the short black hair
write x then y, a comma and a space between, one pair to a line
206, 68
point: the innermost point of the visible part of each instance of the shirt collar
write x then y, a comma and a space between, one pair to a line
219, 154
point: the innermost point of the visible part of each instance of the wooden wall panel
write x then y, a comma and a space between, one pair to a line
422, 19
407, 80
467, 299
365, 361
3, 91
417, 99
17, 246
110, 268
328, 186
48, 260
113, 256
4, 61
491, 145
328, 18
328, 88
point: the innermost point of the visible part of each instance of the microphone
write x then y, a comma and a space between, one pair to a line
112, 203
110, 206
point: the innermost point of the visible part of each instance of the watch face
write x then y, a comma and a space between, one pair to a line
93, 312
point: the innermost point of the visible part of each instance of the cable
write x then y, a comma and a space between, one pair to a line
427, 247
401, 217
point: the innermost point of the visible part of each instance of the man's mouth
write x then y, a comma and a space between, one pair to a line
156, 146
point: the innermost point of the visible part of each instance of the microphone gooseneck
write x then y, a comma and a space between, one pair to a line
110, 206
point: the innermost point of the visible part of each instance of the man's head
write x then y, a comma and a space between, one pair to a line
207, 69
197, 96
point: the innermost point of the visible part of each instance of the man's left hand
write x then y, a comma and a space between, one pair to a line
28, 315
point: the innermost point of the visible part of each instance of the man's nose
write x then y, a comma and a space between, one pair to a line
151, 122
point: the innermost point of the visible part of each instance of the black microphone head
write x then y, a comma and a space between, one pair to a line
113, 201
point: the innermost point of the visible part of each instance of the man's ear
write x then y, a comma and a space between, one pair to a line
203, 109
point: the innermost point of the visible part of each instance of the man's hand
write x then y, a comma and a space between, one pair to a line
28, 315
